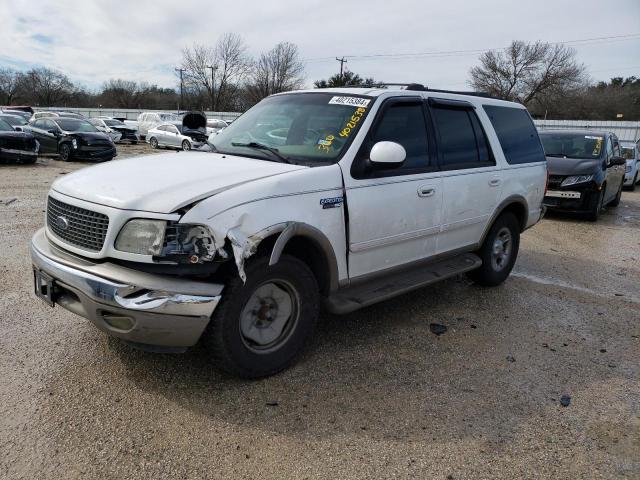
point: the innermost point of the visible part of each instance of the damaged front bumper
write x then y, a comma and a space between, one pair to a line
138, 307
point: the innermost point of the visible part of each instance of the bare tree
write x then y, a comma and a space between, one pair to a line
216, 70
278, 70
526, 71
48, 87
120, 93
9, 85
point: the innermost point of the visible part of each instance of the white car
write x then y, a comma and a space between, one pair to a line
215, 125
149, 120
328, 197
631, 152
188, 134
116, 129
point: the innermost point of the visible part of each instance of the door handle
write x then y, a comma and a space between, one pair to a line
494, 182
426, 191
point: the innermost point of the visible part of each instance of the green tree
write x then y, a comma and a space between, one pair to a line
346, 79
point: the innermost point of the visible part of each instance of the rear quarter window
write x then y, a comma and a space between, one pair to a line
517, 134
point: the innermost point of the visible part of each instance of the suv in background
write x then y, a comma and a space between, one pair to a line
332, 197
586, 171
631, 153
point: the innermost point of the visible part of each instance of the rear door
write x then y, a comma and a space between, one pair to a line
472, 181
394, 213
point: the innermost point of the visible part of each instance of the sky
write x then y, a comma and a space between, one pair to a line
430, 42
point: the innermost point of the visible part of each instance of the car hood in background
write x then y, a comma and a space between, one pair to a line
89, 137
573, 166
194, 121
163, 183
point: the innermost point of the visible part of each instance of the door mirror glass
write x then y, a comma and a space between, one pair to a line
388, 154
615, 161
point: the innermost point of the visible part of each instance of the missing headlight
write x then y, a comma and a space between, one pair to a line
187, 243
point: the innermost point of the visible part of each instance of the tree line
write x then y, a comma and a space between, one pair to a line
546, 78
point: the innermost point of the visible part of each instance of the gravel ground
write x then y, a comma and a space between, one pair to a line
377, 395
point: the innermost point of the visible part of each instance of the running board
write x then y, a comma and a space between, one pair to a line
389, 286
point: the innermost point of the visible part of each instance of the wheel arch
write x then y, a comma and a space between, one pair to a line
308, 244
515, 204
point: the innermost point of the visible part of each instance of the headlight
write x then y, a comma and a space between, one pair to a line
141, 236
576, 179
74, 142
188, 243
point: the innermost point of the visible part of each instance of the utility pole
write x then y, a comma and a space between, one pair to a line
213, 83
181, 70
342, 62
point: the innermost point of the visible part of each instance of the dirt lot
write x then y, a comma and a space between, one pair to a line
376, 396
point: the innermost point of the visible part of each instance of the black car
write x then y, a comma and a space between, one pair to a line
20, 147
72, 138
586, 171
16, 121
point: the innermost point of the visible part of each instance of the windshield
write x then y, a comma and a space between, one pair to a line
572, 145
14, 120
113, 123
311, 128
5, 127
73, 125
628, 153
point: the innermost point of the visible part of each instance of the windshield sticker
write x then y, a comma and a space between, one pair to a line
324, 144
598, 147
350, 101
592, 138
352, 122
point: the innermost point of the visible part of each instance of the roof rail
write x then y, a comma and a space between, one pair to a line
421, 88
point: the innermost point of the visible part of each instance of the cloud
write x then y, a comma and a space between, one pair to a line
142, 40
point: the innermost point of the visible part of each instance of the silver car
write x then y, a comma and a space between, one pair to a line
171, 135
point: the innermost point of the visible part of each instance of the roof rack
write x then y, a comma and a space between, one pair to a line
421, 88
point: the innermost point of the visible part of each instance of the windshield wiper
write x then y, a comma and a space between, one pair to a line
262, 146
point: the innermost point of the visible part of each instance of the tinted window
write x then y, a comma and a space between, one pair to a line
462, 143
14, 120
39, 124
75, 125
517, 134
404, 123
5, 127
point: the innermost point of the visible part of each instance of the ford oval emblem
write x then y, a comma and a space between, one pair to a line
62, 223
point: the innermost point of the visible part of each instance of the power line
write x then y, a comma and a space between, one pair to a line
447, 53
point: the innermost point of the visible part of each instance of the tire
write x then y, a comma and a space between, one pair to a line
65, 152
186, 146
616, 201
498, 251
233, 322
153, 141
594, 214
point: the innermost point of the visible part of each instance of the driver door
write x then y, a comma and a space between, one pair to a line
394, 213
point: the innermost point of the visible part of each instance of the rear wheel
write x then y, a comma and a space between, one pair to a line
498, 252
260, 326
65, 152
153, 141
186, 146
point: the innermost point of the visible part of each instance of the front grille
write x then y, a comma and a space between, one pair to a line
83, 228
555, 180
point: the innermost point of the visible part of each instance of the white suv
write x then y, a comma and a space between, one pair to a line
337, 197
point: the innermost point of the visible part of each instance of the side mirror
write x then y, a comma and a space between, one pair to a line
616, 161
387, 154
53, 131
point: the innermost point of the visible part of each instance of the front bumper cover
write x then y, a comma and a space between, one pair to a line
165, 311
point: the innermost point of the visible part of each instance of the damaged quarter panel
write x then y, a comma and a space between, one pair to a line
249, 213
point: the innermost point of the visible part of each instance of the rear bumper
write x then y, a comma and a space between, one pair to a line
161, 310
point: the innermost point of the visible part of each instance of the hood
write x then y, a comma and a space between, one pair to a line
17, 140
194, 121
15, 135
163, 183
573, 166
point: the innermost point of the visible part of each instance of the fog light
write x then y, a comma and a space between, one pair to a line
118, 321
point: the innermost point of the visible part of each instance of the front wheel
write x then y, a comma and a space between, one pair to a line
153, 142
260, 326
186, 146
498, 252
65, 152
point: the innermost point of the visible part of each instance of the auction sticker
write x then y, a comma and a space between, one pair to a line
350, 101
